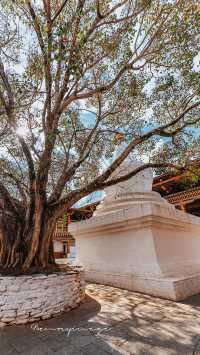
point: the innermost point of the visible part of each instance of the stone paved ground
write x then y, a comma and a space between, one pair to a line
112, 321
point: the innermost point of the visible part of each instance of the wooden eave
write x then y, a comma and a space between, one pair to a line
184, 196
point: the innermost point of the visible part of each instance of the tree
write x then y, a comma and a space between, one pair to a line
75, 77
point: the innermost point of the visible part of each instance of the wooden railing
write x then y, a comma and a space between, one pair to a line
184, 196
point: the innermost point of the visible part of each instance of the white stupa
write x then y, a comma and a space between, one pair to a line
127, 193
138, 241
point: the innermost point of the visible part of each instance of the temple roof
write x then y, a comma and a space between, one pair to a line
172, 183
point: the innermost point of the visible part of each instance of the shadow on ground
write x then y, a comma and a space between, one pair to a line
112, 321
192, 301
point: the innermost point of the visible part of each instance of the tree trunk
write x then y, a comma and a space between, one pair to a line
46, 242
23, 248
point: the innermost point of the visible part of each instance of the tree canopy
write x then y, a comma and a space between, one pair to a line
77, 77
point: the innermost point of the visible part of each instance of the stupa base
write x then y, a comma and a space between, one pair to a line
139, 242
148, 248
176, 289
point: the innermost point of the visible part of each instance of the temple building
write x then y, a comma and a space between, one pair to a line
63, 241
182, 190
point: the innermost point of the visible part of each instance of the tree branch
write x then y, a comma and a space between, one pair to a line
10, 204
68, 201
59, 10
102, 180
9, 107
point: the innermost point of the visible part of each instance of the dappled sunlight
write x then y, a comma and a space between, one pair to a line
143, 322
113, 321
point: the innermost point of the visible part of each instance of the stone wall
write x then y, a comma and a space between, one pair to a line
31, 298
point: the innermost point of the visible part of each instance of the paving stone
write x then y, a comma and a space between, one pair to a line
69, 349
136, 324
66, 352
92, 349
81, 341
7, 348
40, 349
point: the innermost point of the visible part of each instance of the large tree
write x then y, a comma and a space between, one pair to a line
75, 77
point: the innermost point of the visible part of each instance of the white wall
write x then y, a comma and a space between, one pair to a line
58, 246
